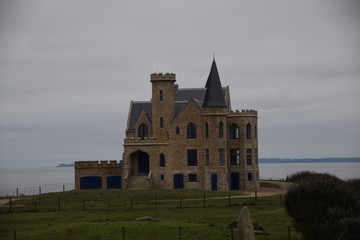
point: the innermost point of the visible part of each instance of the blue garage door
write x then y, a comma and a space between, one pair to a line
113, 182
214, 182
234, 181
178, 181
91, 182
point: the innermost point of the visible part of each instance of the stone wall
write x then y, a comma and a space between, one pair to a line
103, 169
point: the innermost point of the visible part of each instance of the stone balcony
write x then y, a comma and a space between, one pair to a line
139, 140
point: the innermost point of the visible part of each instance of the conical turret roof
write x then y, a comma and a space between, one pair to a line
214, 96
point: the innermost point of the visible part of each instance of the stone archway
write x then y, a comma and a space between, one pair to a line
140, 163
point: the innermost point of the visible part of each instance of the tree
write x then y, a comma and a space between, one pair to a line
324, 207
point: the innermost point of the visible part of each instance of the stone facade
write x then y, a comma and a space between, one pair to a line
184, 138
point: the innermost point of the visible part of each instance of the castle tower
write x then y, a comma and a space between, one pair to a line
214, 117
163, 98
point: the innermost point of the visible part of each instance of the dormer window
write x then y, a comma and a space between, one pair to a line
191, 131
143, 131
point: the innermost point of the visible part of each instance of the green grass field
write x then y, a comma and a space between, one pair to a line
111, 214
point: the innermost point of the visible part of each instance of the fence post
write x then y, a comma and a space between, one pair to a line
232, 233
69, 234
155, 201
10, 204
15, 234
255, 197
180, 233
204, 203
39, 190
59, 204
123, 233
289, 233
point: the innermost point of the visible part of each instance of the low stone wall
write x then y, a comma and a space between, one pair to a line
103, 169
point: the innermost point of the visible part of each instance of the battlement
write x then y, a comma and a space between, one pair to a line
244, 112
98, 164
139, 140
162, 77
247, 110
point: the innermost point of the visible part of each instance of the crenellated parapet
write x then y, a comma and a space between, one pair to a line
139, 140
162, 77
98, 164
244, 113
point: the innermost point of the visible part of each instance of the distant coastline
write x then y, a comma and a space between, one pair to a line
279, 160
65, 165
308, 160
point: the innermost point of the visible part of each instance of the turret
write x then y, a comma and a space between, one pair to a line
163, 98
214, 96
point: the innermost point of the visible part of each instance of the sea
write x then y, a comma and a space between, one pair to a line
31, 181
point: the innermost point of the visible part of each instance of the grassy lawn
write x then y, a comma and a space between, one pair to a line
107, 213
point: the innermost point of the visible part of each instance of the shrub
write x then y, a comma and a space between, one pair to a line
308, 175
324, 207
355, 184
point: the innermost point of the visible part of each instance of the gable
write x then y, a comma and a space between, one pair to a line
135, 111
190, 110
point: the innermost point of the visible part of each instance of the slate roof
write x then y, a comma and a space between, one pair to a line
135, 110
214, 96
210, 96
184, 94
179, 105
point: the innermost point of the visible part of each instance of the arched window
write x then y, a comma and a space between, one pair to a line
234, 131
143, 131
191, 131
177, 130
206, 130
221, 130
161, 95
162, 160
248, 131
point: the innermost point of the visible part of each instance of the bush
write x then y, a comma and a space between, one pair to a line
355, 184
324, 207
308, 175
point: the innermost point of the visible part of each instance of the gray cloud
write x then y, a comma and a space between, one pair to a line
68, 70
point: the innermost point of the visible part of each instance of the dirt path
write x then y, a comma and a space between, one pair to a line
5, 202
269, 188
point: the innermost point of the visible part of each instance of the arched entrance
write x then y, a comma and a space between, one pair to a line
140, 162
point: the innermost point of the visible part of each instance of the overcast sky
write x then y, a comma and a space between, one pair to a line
69, 69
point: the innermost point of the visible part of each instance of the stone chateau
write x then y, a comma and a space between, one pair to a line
182, 138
